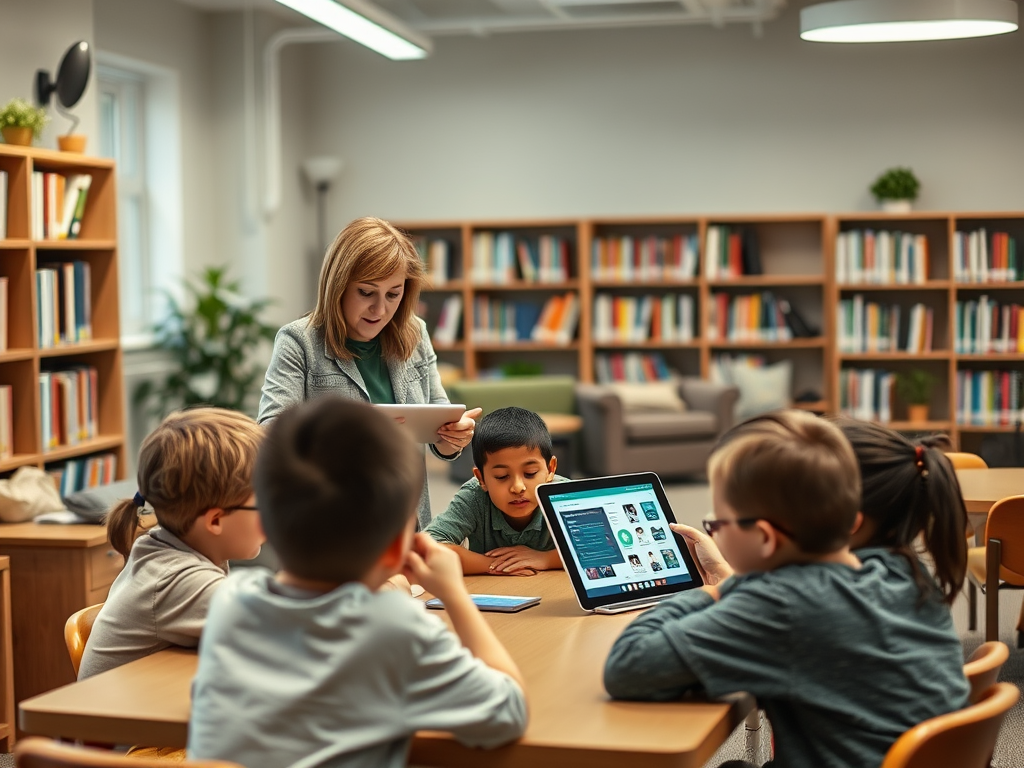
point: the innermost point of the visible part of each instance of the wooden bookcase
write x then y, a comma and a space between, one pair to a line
798, 263
22, 361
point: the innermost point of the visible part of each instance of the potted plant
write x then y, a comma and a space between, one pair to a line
915, 389
20, 122
896, 190
212, 341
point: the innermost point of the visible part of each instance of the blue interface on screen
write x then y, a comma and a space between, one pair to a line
620, 539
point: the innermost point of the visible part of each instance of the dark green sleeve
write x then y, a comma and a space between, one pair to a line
643, 663
455, 524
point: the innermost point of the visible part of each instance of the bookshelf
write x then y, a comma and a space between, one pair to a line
24, 359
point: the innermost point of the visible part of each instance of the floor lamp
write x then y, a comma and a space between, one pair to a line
321, 171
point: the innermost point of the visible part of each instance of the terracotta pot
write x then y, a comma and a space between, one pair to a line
20, 136
73, 142
917, 414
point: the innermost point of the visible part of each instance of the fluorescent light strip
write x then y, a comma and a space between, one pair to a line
361, 29
883, 21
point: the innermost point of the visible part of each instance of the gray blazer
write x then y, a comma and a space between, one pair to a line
302, 368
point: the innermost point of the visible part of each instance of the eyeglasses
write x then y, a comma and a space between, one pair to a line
244, 506
712, 525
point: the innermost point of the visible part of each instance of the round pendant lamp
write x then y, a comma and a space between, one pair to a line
887, 21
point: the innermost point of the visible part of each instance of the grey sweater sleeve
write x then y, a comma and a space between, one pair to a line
643, 664
285, 382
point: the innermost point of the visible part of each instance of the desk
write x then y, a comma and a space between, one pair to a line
981, 488
560, 650
55, 571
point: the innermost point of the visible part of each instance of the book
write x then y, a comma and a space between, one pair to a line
3, 313
3, 205
6, 422
80, 190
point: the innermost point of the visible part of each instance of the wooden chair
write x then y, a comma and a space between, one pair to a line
1000, 563
77, 631
42, 753
982, 669
966, 460
964, 739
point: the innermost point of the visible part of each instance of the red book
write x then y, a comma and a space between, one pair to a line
735, 255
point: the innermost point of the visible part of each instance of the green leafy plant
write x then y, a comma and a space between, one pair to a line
18, 113
896, 184
915, 386
211, 339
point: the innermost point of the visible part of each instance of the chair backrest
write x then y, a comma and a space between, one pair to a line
1006, 523
77, 630
966, 460
964, 739
982, 669
42, 753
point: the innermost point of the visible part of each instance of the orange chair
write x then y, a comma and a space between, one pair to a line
966, 460
1000, 563
964, 739
982, 669
77, 630
43, 753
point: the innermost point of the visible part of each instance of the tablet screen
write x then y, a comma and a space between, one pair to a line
619, 540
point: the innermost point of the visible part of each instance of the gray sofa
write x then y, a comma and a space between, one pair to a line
616, 441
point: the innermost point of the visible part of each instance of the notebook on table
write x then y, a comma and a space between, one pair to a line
613, 536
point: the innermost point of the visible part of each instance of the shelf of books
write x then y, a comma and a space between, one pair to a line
61, 385
934, 292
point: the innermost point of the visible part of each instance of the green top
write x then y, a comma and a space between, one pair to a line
471, 515
373, 368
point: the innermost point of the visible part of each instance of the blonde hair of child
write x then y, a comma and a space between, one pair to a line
195, 460
369, 249
793, 469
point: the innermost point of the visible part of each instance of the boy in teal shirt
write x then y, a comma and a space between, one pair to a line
497, 510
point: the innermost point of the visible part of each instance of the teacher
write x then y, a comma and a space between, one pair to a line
363, 339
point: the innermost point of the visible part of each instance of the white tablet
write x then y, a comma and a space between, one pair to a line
424, 419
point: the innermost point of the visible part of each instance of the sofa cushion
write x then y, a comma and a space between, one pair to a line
663, 427
652, 396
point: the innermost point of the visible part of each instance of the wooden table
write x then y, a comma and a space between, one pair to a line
981, 488
560, 649
55, 571
6, 659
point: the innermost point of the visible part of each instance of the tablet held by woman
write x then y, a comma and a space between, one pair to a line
363, 339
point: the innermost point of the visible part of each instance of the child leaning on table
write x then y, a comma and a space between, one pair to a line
497, 510
843, 654
319, 666
195, 471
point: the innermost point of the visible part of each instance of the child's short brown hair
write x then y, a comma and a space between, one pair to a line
793, 469
336, 481
194, 461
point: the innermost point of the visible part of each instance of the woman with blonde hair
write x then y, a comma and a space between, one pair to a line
363, 339
195, 472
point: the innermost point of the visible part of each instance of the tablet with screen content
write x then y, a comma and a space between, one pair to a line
424, 419
613, 537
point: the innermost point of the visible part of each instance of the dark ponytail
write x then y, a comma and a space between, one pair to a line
122, 526
909, 490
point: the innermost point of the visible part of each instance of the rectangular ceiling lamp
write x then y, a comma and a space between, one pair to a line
367, 25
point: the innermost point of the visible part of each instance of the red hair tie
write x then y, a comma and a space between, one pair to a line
919, 460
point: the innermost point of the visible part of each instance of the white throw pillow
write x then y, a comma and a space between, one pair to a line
28, 493
762, 388
651, 396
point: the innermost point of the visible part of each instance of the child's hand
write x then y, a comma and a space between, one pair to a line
397, 583
434, 567
712, 566
513, 559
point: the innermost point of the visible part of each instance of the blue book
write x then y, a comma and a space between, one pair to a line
527, 314
83, 319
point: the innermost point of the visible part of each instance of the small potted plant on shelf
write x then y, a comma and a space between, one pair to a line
896, 190
915, 389
20, 122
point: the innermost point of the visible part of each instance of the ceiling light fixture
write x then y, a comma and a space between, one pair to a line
888, 21
366, 24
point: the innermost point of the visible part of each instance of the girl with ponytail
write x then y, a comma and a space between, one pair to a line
195, 471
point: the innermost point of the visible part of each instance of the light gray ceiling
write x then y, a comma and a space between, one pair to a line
481, 17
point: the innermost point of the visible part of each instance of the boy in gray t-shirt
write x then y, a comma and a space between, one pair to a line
496, 512
840, 649
318, 665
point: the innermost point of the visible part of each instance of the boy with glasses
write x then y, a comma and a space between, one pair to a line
843, 655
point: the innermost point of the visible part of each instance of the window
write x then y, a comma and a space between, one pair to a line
138, 112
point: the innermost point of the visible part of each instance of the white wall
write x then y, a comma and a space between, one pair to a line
677, 119
34, 34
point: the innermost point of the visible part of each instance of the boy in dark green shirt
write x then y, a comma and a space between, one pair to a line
497, 510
